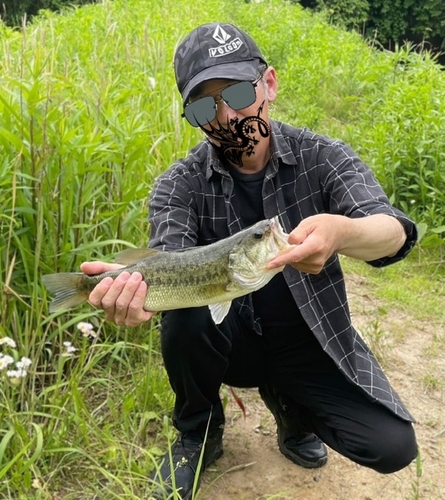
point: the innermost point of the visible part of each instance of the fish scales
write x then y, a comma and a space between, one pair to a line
196, 273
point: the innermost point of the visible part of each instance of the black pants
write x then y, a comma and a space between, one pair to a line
199, 356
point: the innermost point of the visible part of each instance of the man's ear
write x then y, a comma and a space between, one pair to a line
270, 78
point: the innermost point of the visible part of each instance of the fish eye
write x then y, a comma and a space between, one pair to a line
258, 235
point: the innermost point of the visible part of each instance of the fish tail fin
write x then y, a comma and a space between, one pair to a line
67, 290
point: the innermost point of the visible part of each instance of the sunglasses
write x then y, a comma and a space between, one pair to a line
238, 96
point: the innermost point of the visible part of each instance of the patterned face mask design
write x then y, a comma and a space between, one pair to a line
238, 137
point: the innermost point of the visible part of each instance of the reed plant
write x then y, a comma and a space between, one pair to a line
89, 116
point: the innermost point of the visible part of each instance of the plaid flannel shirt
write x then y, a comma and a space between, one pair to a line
308, 174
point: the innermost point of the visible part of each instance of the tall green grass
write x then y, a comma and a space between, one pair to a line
89, 116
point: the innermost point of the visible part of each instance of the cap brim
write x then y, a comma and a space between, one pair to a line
243, 70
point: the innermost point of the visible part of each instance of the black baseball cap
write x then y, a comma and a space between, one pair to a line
215, 50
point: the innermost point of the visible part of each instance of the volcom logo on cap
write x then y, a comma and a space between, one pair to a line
224, 49
220, 35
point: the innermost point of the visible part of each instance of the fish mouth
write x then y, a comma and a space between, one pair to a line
278, 239
277, 231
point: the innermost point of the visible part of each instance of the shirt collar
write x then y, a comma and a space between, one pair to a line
279, 146
214, 164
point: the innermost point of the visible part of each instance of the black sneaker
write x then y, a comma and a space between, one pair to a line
305, 449
302, 448
186, 453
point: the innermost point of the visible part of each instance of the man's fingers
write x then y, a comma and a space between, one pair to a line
122, 298
125, 287
298, 235
139, 297
136, 312
98, 267
121, 295
294, 255
99, 291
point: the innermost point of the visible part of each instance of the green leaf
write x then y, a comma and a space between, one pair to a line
421, 230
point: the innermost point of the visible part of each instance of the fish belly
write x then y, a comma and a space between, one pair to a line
162, 298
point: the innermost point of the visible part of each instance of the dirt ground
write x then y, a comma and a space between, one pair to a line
252, 467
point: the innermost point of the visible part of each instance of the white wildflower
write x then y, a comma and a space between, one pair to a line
151, 82
23, 364
5, 361
15, 376
36, 484
87, 329
83, 326
8, 341
69, 349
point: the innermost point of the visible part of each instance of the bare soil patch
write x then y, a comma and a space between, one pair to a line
412, 353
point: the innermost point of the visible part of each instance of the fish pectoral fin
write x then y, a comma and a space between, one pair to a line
219, 311
132, 255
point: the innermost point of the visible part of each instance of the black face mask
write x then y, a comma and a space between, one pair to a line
238, 137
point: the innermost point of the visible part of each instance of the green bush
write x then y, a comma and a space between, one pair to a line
389, 22
397, 20
14, 11
402, 133
350, 14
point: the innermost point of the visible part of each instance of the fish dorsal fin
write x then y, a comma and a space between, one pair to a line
132, 255
219, 311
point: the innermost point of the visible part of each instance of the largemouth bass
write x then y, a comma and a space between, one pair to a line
210, 275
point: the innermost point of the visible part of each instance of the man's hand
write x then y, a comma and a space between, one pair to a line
123, 298
318, 237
